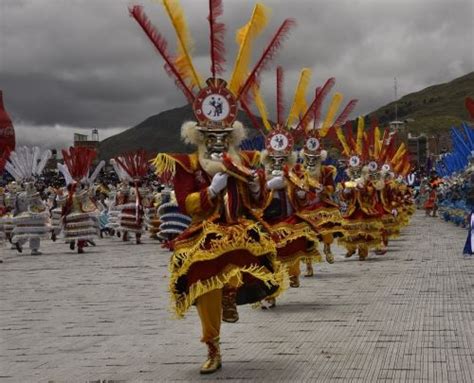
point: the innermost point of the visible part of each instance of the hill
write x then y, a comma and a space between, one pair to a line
158, 133
431, 110
434, 109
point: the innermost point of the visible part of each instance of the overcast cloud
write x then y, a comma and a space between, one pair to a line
74, 65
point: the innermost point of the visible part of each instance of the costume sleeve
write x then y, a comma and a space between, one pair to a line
192, 200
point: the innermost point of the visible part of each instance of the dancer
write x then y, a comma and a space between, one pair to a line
321, 209
79, 213
132, 168
295, 239
358, 197
225, 246
30, 215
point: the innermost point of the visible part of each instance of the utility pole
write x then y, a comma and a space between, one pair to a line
395, 88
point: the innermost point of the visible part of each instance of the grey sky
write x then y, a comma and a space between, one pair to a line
77, 64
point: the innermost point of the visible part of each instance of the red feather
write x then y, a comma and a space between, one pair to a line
315, 122
470, 106
342, 118
350, 134
315, 108
134, 163
268, 55
217, 32
279, 93
251, 116
161, 45
78, 161
374, 122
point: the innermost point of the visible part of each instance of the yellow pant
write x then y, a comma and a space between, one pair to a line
294, 269
328, 239
209, 307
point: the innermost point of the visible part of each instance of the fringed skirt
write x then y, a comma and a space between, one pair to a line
56, 221
210, 256
30, 226
362, 229
80, 226
114, 221
325, 219
130, 220
295, 241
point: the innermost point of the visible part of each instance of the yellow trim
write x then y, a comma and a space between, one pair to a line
165, 162
181, 303
226, 238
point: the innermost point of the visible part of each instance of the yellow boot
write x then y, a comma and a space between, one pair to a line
229, 305
328, 253
363, 253
294, 281
214, 361
309, 269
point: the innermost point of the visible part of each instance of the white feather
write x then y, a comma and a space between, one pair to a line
44, 159
121, 173
36, 155
65, 172
12, 170
96, 172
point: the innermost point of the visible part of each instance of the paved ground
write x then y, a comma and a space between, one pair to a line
406, 316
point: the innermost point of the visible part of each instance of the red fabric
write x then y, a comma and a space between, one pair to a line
207, 269
292, 248
431, 202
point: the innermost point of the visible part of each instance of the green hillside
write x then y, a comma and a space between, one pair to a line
433, 109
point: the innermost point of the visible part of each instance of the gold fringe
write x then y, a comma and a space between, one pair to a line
285, 233
227, 238
164, 163
181, 303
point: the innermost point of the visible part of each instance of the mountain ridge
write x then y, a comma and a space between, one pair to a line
431, 110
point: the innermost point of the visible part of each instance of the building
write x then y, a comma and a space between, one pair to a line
397, 126
82, 140
417, 147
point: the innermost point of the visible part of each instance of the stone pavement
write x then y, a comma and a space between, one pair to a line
404, 317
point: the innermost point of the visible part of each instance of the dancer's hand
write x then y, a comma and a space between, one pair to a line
301, 194
276, 183
218, 183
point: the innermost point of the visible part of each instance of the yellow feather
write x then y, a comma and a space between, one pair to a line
262, 109
377, 143
183, 61
406, 169
331, 114
342, 140
360, 135
399, 154
244, 38
299, 105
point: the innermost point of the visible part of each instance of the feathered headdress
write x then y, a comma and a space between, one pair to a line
279, 137
25, 163
356, 149
77, 163
214, 104
311, 129
131, 166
